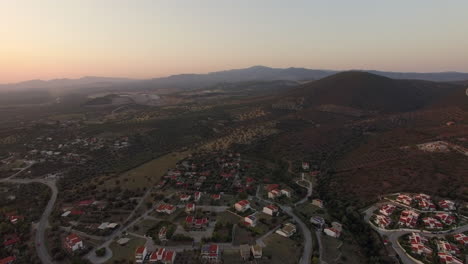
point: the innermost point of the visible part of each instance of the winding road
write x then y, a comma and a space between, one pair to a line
44, 221
307, 252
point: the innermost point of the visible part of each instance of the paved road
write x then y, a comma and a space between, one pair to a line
307, 253
44, 221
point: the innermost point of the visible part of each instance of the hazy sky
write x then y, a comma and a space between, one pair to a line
147, 38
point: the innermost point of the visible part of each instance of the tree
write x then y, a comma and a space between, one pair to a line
101, 252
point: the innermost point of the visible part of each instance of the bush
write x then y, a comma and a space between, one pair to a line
100, 252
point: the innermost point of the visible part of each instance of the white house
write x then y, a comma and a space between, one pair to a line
250, 220
287, 230
270, 210
332, 232
242, 206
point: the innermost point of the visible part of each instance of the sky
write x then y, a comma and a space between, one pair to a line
47, 39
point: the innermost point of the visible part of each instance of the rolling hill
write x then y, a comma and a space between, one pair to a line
372, 92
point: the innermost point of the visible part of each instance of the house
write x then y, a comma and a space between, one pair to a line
318, 203
317, 220
387, 209
123, 241
286, 192
422, 196
305, 166
404, 199
330, 231
15, 218
426, 205
418, 246
185, 198
162, 233
210, 254
250, 220
270, 210
197, 196
216, 197
421, 249
73, 242
190, 207
10, 240
244, 251
447, 205
242, 206
140, 254
382, 221
461, 238
165, 208
256, 251
274, 194
271, 187
446, 218
337, 226
432, 223
8, 260
287, 230
85, 203
446, 258
197, 223
408, 218
444, 246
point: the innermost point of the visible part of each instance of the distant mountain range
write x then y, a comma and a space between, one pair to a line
194, 81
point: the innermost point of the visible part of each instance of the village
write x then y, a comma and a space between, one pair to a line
420, 228
210, 208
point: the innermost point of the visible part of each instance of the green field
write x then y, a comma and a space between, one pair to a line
281, 250
147, 174
126, 252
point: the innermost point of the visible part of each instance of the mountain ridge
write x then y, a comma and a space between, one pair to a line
254, 73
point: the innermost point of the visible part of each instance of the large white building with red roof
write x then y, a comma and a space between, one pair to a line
432, 223
382, 221
408, 218
446, 218
446, 258
444, 246
387, 209
461, 239
404, 199
418, 244
447, 205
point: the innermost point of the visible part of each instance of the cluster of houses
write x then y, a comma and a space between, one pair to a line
160, 255
209, 253
210, 172
274, 191
424, 202
446, 252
